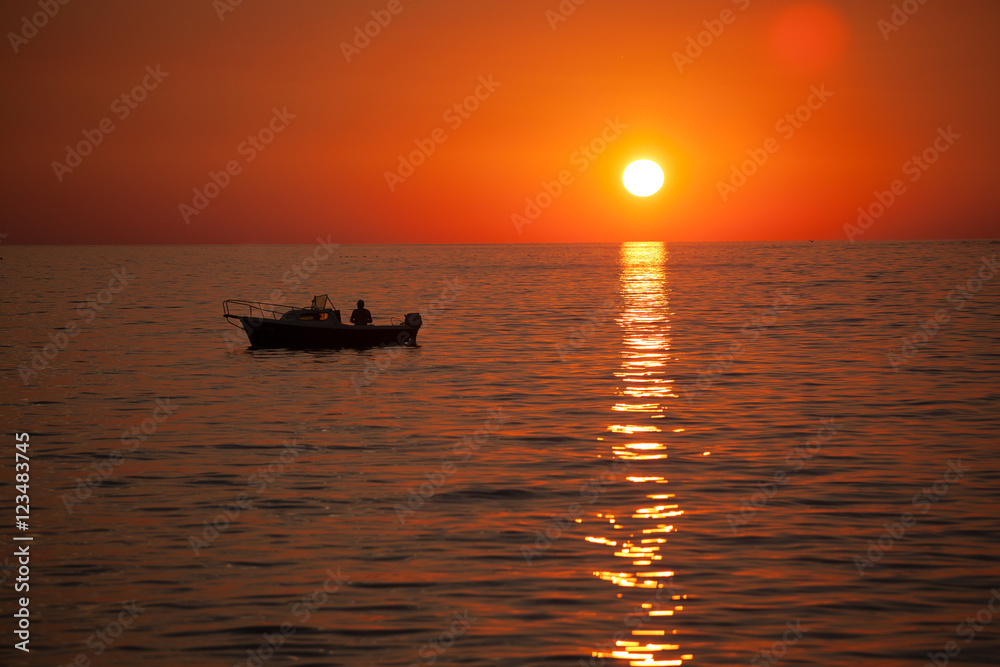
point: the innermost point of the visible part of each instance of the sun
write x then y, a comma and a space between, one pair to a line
643, 178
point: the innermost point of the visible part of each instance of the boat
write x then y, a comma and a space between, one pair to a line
270, 325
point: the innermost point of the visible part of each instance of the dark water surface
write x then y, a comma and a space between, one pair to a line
639, 454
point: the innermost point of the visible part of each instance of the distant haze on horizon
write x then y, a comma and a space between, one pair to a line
201, 121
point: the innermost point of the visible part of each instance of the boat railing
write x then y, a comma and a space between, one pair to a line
236, 308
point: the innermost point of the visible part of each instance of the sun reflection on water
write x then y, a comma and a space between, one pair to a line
638, 538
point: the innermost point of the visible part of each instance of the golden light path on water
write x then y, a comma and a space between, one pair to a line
638, 538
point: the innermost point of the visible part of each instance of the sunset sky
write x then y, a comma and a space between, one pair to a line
311, 117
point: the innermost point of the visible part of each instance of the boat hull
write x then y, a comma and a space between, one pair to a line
268, 333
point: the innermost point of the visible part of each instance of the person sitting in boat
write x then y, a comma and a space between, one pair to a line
361, 315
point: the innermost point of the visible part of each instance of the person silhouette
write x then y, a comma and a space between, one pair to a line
361, 315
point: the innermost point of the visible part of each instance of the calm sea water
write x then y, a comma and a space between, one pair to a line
639, 454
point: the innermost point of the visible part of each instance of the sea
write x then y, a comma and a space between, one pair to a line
641, 454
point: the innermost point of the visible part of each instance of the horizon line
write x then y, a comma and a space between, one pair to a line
415, 243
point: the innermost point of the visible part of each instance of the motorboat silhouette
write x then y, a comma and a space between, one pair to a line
317, 326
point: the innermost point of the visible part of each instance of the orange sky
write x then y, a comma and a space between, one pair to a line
554, 84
